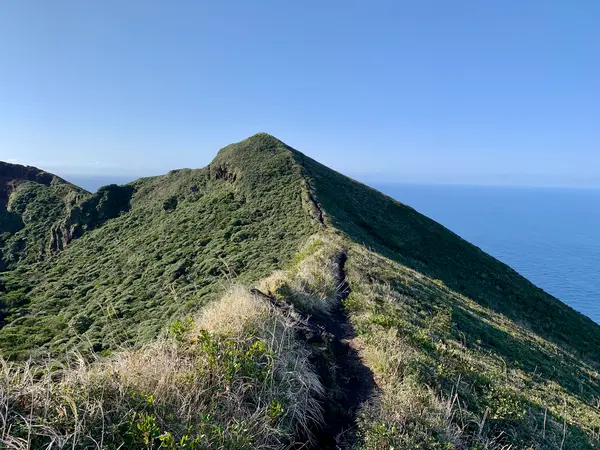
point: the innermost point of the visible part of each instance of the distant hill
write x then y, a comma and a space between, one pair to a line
387, 329
31, 201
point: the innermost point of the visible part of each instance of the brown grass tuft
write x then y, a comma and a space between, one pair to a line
235, 377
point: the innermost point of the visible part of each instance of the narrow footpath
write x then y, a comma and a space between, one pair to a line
354, 380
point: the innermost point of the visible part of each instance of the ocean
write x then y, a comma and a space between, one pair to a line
92, 183
551, 236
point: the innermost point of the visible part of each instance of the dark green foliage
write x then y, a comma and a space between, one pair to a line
107, 203
170, 204
402, 234
10, 222
13, 296
31, 202
437, 318
160, 248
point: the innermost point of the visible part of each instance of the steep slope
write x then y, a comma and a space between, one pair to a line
31, 201
389, 330
399, 232
155, 248
428, 306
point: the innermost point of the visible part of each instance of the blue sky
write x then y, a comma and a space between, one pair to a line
429, 91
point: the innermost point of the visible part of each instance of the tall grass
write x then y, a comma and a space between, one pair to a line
310, 283
234, 377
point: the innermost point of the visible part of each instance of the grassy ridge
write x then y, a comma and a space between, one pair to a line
399, 232
184, 238
238, 375
465, 353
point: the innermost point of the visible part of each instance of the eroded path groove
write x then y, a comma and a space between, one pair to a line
352, 383
347, 380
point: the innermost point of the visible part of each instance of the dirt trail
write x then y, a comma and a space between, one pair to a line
354, 380
348, 382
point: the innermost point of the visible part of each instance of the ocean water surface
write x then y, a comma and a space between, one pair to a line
551, 236
92, 183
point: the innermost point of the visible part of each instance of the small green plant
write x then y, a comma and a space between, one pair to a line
178, 328
145, 430
235, 359
504, 404
275, 410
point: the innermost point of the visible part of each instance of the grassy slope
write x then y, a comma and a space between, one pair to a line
465, 352
402, 234
432, 310
186, 236
453, 371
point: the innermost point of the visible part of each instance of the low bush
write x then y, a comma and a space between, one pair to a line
233, 378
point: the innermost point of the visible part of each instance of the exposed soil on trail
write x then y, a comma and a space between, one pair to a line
350, 383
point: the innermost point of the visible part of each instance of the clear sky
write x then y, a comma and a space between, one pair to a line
432, 91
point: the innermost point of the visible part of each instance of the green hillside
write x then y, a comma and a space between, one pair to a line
403, 235
266, 301
173, 243
31, 201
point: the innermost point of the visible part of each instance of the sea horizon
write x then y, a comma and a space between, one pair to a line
547, 234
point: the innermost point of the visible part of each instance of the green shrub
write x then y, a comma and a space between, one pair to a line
234, 378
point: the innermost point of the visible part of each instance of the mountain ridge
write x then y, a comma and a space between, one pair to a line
230, 164
463, 351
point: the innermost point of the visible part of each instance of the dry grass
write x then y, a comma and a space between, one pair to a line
235, 377
310, 284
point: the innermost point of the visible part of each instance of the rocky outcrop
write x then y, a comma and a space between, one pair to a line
222, 172
109, 202
11, 175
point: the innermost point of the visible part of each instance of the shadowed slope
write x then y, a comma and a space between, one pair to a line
31, 201
397, 231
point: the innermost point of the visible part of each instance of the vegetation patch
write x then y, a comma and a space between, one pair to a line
363, 324
152, 251
233, 378
453, 374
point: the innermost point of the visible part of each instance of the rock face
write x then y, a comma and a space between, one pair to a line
222, 172
107, 203
40, 213
31, 200
13, 174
